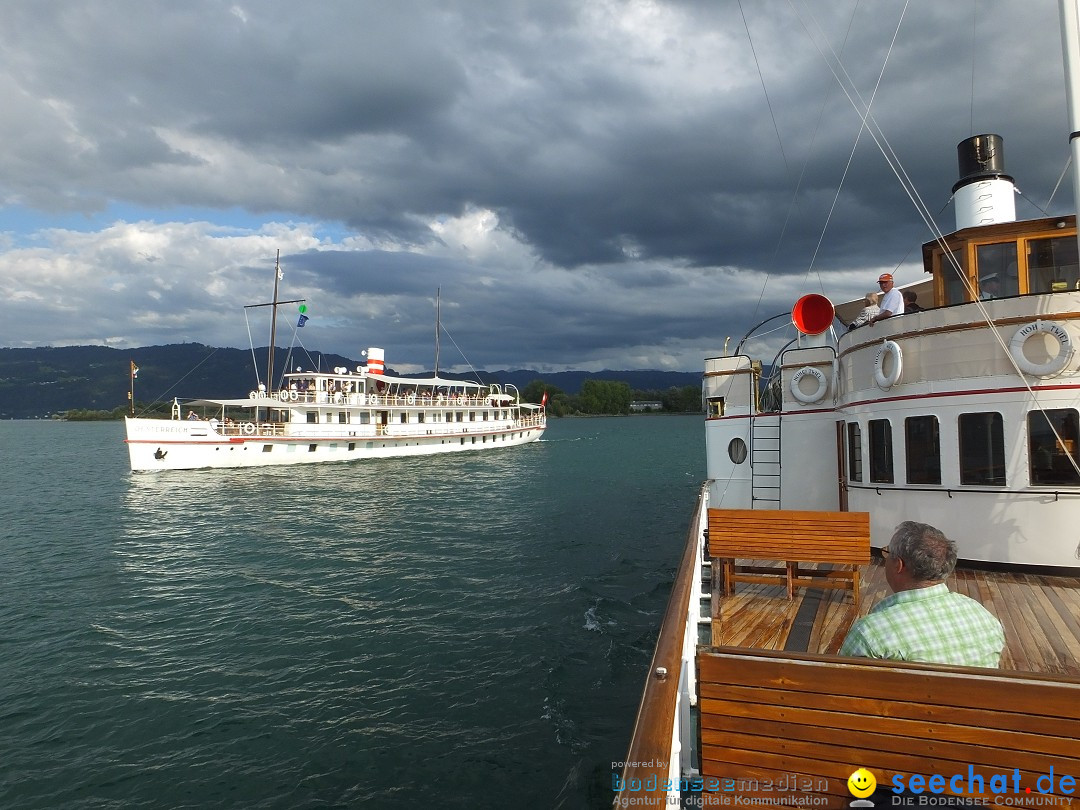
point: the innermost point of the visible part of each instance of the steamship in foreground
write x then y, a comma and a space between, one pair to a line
963, 416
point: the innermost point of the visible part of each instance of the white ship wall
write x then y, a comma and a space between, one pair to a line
952, 365
809, 475
731, 380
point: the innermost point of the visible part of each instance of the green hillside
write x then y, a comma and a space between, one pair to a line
42, 382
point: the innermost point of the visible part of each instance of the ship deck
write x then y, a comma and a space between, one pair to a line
1041, 616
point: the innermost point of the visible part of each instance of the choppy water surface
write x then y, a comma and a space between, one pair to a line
459, 631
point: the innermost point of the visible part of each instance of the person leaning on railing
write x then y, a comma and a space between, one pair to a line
892, 302
922, 620
868, 312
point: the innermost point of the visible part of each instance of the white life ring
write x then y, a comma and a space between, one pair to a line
815, 395
461, 399
410, 399
283, 395
1052, 366
889, 348
373, 399
248, 428
293, 396
253, 395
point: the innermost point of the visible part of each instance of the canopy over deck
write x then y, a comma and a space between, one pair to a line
433, 382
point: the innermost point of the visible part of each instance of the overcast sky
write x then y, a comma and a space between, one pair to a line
591, 184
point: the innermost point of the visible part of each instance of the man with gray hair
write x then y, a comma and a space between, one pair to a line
923, 620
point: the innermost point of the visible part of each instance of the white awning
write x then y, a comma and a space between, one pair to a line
436, 382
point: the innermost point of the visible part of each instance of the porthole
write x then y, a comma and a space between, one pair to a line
736, 450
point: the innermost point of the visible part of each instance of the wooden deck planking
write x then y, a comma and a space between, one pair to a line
1041, 615
1013, 656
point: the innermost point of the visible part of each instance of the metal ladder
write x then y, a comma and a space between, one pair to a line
765, 462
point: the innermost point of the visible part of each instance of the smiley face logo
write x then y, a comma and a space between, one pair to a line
861, 783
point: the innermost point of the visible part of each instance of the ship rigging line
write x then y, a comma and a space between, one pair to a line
161, 397
764, 89
882, 143
813, 139
251, 343
1057, 185
862, 127
466, 359
862, 109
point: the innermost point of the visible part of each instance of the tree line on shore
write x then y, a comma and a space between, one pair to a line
611, 398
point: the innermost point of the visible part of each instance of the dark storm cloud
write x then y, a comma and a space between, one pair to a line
376, 272
602, 181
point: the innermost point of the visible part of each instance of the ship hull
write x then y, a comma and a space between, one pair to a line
160, 444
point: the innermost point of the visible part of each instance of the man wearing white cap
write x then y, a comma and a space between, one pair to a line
892, 302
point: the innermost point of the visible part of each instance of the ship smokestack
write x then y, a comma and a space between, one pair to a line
376, 362
984, 194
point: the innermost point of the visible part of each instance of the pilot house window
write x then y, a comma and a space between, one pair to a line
1052, 265
997, 270
1052, 447
954, 272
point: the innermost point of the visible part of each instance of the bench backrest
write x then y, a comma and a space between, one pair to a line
782, 534
768, 715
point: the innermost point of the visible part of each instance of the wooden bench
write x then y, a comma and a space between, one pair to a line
792, 537
776, 724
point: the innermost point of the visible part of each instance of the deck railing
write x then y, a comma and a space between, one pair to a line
377, 400
659, 756
242, 428
359, 431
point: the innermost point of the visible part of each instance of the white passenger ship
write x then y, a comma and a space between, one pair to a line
336, 416
339, 415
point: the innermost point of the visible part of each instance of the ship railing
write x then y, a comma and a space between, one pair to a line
377, 400
453, 428
248, 428
661, 756
360, 430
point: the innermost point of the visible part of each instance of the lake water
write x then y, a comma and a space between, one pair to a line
460, 631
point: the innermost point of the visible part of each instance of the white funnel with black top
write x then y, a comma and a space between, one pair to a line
984, 194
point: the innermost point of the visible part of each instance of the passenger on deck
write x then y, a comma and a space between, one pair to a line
911, 302
868, 312
922, 620
892, 303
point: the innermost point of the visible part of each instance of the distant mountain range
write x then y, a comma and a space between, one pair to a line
43, 381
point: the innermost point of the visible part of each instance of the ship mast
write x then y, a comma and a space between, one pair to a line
438, 318
1070, 46
273, 326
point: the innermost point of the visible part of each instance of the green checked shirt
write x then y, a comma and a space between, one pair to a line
932, 625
